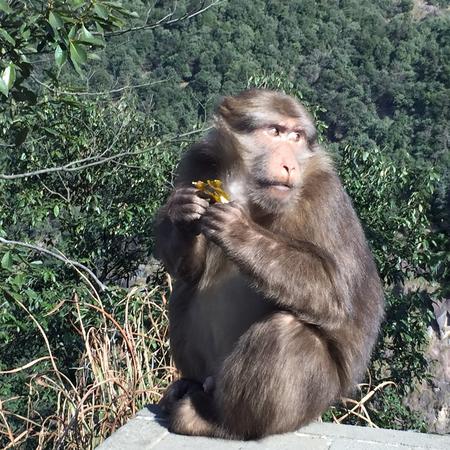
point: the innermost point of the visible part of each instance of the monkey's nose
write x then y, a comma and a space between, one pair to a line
286, 170
285, 173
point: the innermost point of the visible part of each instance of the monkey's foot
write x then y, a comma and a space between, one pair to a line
176, 391
209, 385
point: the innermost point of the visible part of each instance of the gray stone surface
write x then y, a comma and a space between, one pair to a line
148, 431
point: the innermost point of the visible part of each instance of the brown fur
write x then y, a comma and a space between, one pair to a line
277, 301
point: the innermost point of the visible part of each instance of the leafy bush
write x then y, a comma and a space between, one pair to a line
393, 199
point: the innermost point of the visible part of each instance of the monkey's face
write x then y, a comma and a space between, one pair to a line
276, 156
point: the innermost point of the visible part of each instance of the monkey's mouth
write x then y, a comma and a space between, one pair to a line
281, 187
276, 185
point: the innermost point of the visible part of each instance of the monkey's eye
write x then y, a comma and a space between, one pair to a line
274, 131
297, 136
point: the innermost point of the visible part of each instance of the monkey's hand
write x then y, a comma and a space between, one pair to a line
226, 225
185, 207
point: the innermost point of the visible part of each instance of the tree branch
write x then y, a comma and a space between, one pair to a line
97, 94
58, 256
166, 21
95, 160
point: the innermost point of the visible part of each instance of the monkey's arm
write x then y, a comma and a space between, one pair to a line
298, 276
179, 243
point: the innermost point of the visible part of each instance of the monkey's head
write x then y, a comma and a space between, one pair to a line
276, 140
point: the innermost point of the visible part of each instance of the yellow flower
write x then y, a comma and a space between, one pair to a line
213, 188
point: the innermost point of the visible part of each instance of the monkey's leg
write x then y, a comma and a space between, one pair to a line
279, 377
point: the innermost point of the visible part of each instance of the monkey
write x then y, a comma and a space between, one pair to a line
277, 302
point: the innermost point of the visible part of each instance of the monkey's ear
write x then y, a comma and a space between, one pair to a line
235, 113
226, 108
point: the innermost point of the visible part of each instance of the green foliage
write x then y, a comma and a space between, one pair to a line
71, 30
393, 199
85, 203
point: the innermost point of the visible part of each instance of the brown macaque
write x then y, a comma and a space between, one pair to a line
277, 302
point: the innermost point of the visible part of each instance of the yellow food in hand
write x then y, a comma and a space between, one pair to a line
213, 188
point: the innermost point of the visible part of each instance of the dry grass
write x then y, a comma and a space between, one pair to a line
125, 365
357, 408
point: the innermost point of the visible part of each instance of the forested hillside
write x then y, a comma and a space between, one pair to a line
97, 101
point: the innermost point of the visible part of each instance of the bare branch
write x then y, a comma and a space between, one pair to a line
58, 256
166, 20
95, 160
51, 191
114, 91
96, 94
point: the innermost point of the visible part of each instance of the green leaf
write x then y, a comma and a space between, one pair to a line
56, 210
55, 21
77, 67
7, 37
9, 75
26, 34
117, 21
7, 79
19, 280
94, 57
3, 88
5, 7
101, 11
6, 262
87, 37
72, 32
77, 53
60, 56
14, 295
78, 3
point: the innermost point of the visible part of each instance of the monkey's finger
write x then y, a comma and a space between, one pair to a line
204, 195
190, 190
208, 232
193, 191
232, 208
189, 198
210, 222
223, 215
192, 217
192, 207
214, 218
187, 214
228, 207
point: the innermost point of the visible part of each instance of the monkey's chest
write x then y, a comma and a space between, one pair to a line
217, 317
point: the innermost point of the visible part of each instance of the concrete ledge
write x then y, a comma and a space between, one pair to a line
148, 431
